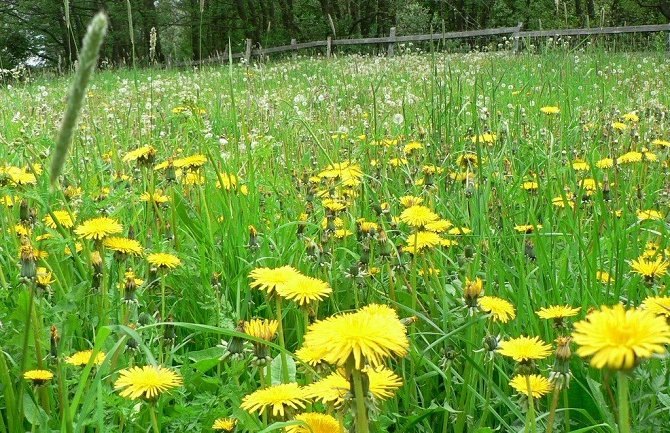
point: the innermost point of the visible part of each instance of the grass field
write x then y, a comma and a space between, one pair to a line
465, 192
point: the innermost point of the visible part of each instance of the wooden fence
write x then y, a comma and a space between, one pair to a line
515, 33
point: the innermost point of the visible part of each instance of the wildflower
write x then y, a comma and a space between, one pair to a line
304, 290
605, 163
271, 279
631, 117
411, 147
580, 165
82, 358
147, 382
459, 231
466, 159
557, 312
659, 305
38, 377
527, 228
227, 182
438, 226
369, 335
63, 217
163, 260
98, 228
224, 424
472, 290
629, 157
551, 109
499, 309
265, 330
619, 339
44, 278
487, 137
334, 388
123, 246
418, 216
539, 385
619, 126
144, 155
157, 197
419, 241
410, 200
650, 269
315, 423
279, 398
560, 372
190, 162
650, 214
530, 186
561, 202
524, 349
604, 277
659, 142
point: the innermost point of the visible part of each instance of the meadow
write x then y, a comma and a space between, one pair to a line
427, 243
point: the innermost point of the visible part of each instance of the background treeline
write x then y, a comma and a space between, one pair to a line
49, 31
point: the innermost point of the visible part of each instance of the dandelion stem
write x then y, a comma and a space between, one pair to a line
282, 342
552, 410
362, 425
530, 416
622, 394
154, 418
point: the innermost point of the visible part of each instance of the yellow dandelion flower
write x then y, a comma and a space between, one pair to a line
224, 424
659, 142
617, 338
269, 279
416, 242
81, 359
539, 385
227, 182
619, 126
527, 228
123, 245
411, 147
144, 154
147, 382
650, 269
410, 200
332, 389
561, 202
530, 185
315, 423
557, 312
263, 329
631, 117
629, 157
63, 217
523, 349
659, 305
649, 214
418, 216
304, 290
459, 231
38, 377
604, 277
157, 197
487, 137
190, 162
605, 163
580, 165
438, 226
163, 260
98, 228
369, 335
550, 109
44, 277
277, 398
499, 309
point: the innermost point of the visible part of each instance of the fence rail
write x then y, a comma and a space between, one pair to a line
390, 41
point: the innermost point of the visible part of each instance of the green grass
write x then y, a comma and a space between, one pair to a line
275, 125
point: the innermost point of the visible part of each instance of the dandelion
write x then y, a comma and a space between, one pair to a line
525, 349
631, 117
659, 142
224, 424
619, 338
38, 377
270, 280
147, 382
369, 335
527, 228
557, 312
190, 162
315, 423
98, 228
333, 389
499, 309
418, 216
278, 398
539, 385
303, 290
62, 217
605, 163
650, 214
123, 246
629, 158
530, 185
580, 165
604, 277
550, 109
80, 359
619, 126
163, 260
650, 269
422, 240
659, 305
144, 155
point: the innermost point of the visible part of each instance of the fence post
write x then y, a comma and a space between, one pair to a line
515, 35
294, 48
247, 51
329, 46
391, 43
